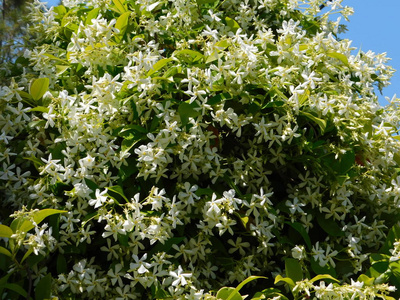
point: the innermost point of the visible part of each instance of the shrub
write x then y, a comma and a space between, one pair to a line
174, 149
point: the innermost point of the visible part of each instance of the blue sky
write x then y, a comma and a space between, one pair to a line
374, 26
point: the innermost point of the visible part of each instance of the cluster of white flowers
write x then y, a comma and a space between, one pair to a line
188, 139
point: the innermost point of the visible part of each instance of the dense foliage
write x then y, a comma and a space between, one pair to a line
12, 32
166, 149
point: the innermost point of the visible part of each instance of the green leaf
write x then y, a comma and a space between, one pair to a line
219, 98
268, 294
36, 161
242, 284
60, 10
5, 231
16, 288
212, 57
159, 65
393, 235
339, 56
43, 288
347, 161
61, 264
395, 268
232, 24
323, 276
118, 190
223, 44
368, 281
287, 280
51, 56
120, 6
300, 229
127, 144
293, 269
39, 87
188, 56
26, 255
321, 123
327, 269
121, 25
329, 226
60, 69
226, 293
200, 2
41, 109
187, 111
23, 224
92, 15
5, 252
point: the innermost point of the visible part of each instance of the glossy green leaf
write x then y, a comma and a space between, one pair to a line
393, 235
223, 44
188, 56
327, 269
60, 11
120, 6
212, 57
242, 284
293, 269
5, 251
51, 56
226, 293
188, 110
159, 65
320, 122
39, 87
43, 288
303, 232
395, 268
322, 277
287, 280
60, 69
232, 24
269, 294
118, 190
339, 56
92, 15
219, 98
121, 25
25, 95
16, 288
23, 224
5, 231
41, 109
62, 266
26, 255
200, 2
368, 281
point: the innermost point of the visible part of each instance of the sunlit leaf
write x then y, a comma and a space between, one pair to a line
120, 6
5, 231
339, 56
159, 65
5, 252
39, 87
121, 25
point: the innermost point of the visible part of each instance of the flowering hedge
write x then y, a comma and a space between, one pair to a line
178, 149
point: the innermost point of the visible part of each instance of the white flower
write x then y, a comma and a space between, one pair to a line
298, 252
180, 277
100, 198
